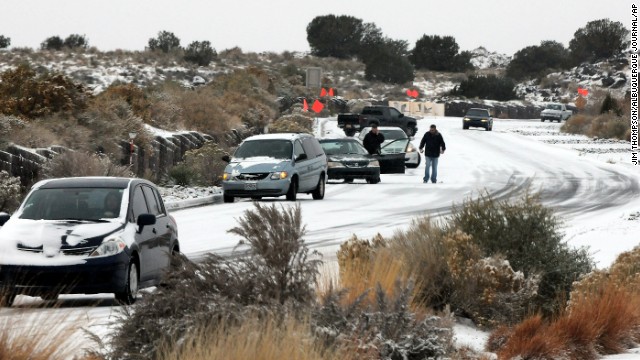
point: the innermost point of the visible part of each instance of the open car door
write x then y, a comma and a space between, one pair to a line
391, 157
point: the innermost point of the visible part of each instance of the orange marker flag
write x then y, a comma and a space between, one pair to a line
305, 106
323, 92
330, 91
317, 106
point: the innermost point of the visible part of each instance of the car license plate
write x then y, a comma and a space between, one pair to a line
251, 185
348, 126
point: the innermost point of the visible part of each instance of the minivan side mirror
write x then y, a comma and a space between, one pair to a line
144, 220
401, 115
226, 159
301, 157
4, 217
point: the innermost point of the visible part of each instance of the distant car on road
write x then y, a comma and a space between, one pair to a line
412, 156
555, 111
86, 235
476, 117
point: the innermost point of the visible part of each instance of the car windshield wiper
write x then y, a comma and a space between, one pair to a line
81, 220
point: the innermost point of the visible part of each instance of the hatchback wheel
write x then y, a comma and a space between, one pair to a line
49, 296
128, 295
7, 297
318, 193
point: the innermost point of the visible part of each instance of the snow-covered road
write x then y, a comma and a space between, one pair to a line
597, 195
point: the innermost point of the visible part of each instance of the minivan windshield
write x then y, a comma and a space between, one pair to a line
273, 148
89, 204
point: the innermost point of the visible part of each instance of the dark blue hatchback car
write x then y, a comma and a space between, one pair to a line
86, 235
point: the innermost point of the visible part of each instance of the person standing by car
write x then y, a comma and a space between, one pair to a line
433, 145
372, 140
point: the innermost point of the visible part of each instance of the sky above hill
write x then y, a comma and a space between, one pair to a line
505, 26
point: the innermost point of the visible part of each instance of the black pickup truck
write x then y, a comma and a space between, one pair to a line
381, 115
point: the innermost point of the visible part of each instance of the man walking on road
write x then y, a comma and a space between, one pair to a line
372, 140
433, 145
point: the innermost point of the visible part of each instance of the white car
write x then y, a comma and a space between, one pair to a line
412, 156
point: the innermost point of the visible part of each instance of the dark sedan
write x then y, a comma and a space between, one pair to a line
86, 235
477, 118
349, 160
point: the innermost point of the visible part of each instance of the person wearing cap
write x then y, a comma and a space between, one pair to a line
432, 144
372, 140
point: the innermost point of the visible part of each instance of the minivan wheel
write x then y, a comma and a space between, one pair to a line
227, 198
318, 193
293, 190
128, 295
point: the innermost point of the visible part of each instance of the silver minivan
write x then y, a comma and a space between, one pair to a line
273, 165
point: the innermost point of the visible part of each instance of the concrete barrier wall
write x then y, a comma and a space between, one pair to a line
165, 152
415, 108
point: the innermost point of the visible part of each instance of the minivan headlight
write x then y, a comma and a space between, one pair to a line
112, 245
226, 176
335, 164
279, 175
411, 148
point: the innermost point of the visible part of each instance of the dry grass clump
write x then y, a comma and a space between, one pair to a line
256, 338
78, 163
365, 265
623, 273
602, 317
296, 123
40, 336
604, 323
605, 118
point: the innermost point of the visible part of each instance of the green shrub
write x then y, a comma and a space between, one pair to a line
597, 40
449, 268
4, 42
74, 41
203, 166
527, 234
536, 61
486, 290
182, 175
489, 87
386, 329
439, 53
10, 192
200, 53
610, 105
335, 36
52, 43
165, 42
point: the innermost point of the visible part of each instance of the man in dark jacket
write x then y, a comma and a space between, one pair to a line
433, 145
372, 140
